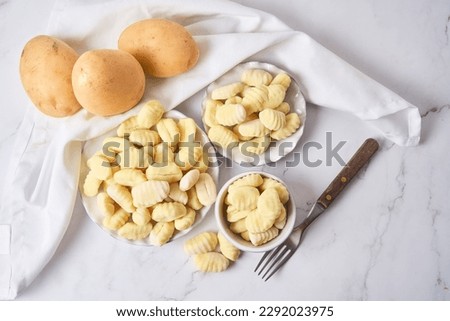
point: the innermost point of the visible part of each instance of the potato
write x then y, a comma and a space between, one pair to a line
164, 48
108, 82
45, 71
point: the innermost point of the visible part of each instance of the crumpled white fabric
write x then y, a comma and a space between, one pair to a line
43, 178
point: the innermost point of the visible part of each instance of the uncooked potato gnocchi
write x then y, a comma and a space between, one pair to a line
252, 110
254, 208
148, 181
203, 249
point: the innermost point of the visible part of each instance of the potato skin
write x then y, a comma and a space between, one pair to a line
46, 71
108, 82
164, 48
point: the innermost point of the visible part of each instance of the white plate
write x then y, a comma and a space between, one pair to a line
90, 203
277, 149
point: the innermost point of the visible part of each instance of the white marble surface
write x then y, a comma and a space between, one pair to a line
386, 238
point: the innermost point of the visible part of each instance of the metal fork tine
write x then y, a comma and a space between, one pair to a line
280, 264
263, 258
273, 253
277, 259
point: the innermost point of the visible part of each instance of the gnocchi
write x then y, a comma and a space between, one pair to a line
143, 189
202, 243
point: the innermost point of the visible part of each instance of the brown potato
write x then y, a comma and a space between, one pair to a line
108, 82
164, 48
46, 71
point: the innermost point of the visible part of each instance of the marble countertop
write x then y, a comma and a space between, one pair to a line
386, 237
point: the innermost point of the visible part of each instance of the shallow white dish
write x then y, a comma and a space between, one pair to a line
90, 203
237, 240
277, 149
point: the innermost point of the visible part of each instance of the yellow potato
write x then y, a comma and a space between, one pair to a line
108, 82
164, 48
46, 71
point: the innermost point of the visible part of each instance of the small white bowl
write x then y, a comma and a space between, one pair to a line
237, 240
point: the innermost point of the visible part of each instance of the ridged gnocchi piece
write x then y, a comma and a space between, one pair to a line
91, 184
275, 96
133, 158
169, 172
282, 191
256, 77
206, 189
100, 166
144, 137
163, 154
132, 231
150, 114
168, 211
256, 222
141, 216
254, 98
203, 164
188, 129
209, 115
234, 216
254, 180
193, 201
244, 197
292, 124
238, 226
284, 108
233, 100
115, 145
149, 193
269, 204
168, 131
230, 114
227, 91
211, 262
186, 221
228, 250
255, 146
280, 222
223, 137
245, 235
282, 79
189, 179
253, 128
264, 237
117, 220
110, 156
127, 126
161, 233
106, 204
201, 243
177, 195
238, 134
188, 156
129, 177
272, 119
122, 196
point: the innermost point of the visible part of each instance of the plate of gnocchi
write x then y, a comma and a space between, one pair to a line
254, 114
148, 181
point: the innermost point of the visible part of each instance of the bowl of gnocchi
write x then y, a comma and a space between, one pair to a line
254, 114
255, 211
148, 182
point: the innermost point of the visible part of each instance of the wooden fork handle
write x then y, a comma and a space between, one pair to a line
361, 157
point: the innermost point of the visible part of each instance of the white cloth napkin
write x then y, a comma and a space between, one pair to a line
43, 178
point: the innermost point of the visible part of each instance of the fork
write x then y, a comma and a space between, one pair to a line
274, 259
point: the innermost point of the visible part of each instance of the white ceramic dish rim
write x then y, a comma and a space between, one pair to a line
236, 240
278, 149
90, 203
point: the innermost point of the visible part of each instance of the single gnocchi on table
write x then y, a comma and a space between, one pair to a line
251, 110
151, 179
211, 252
254, 207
